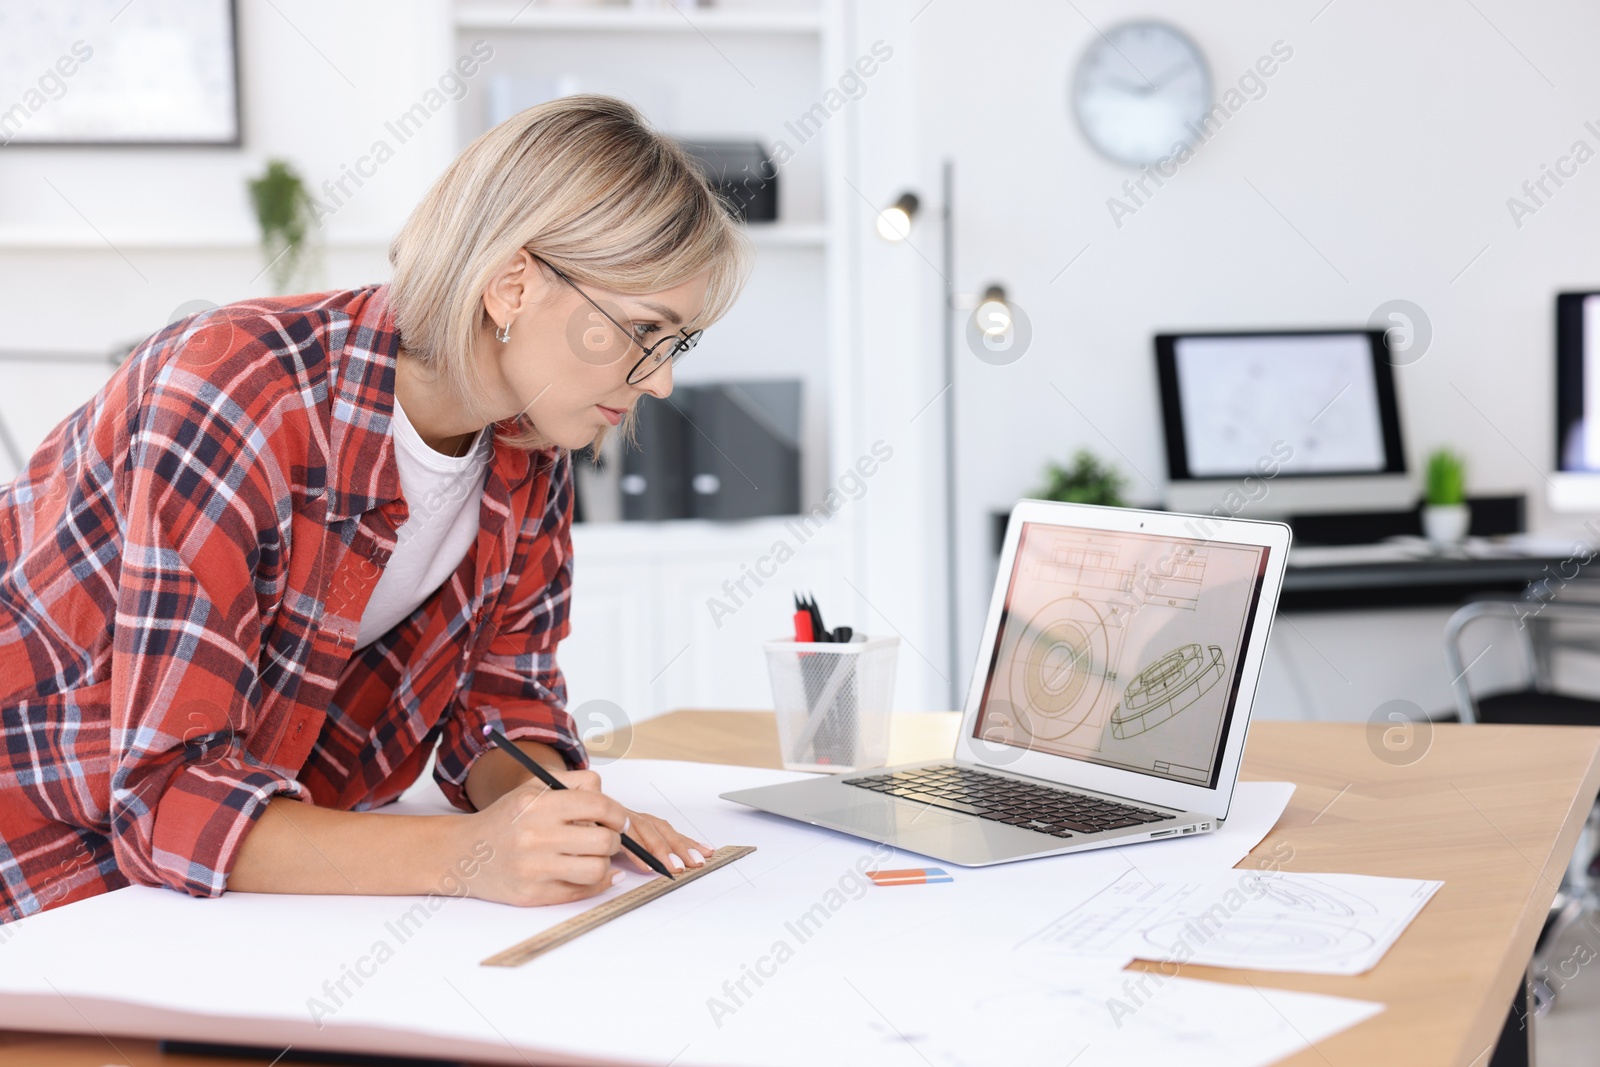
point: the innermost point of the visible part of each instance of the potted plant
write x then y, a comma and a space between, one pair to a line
1445, 517
1087, 481
283, 209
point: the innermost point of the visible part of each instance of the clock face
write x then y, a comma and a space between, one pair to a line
1137, 91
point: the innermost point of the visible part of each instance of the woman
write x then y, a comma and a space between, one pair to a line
296, 545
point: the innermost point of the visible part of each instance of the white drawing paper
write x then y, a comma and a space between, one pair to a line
716, 972
1257, 919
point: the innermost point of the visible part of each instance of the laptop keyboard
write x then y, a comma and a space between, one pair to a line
1041, 808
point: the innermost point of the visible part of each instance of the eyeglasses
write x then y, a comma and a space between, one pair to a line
654, 355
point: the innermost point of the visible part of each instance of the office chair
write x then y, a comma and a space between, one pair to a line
1534, 622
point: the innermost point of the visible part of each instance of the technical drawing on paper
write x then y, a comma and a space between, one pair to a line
1166, 687
1272, 941
1306, 893
1276, 920
1290, 919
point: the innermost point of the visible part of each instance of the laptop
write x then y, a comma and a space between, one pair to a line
1110, 701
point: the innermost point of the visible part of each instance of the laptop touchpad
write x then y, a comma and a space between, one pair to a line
902, 821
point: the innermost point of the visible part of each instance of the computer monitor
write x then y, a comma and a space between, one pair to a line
1575, 485
1272, 423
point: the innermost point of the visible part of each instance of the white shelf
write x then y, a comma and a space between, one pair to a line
79, 239
788, 235
688, 536
617, 19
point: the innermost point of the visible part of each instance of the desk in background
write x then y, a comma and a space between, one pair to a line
1399, 576
1360, 626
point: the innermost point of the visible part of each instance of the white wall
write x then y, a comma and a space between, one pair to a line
319, 81
899, 379
1390, 141
1376, 166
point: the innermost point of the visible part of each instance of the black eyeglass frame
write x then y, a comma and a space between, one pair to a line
682, 341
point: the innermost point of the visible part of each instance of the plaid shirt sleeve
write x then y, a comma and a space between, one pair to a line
184, 685
515, 684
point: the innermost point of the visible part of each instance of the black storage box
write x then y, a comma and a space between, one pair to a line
741, 174
725, 450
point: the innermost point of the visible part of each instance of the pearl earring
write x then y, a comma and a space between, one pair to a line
503, 334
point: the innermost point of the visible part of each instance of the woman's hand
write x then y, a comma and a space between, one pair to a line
663, 842
550, 846
553, 846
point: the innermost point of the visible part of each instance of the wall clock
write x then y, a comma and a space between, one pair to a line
1140, 91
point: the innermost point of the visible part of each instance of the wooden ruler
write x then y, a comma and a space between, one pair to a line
599, 915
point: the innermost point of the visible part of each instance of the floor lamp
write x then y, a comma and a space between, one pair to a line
947, 261
894, 224
992, 334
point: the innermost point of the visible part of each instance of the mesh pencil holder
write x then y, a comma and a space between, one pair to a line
832, 702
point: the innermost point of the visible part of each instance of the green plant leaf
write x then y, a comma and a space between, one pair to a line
1446, 479
1086, 481
283, 210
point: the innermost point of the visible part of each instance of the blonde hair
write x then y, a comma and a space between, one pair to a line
582, 182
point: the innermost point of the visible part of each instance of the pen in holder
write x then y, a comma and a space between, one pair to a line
832, 702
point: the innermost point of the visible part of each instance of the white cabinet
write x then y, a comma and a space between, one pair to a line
670, 615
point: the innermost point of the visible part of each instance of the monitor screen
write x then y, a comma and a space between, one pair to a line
1122, 649
1303, 403
1577, 381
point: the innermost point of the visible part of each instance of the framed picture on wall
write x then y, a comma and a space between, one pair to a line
119, 72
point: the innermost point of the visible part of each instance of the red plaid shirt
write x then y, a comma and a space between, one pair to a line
183, 568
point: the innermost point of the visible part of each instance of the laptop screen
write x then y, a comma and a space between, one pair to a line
1122, 649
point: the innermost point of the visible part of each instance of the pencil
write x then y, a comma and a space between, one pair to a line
555, 783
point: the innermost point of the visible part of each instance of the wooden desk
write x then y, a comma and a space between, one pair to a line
1494, 811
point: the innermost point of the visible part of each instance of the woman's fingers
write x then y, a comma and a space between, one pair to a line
586, 871
591, 841
572, 806
554, 845
587, 781
559, 892
672, 848
695, 853
647, 831
642, 830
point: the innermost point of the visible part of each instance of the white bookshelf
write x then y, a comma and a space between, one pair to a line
786, 235
644, 632
84, 239
609, 18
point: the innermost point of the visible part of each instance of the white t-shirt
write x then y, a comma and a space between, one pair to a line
443, 494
